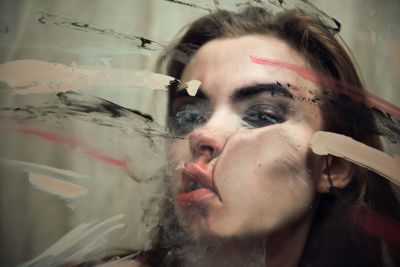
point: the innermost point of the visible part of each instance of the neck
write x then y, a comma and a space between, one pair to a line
226, 252
283, 248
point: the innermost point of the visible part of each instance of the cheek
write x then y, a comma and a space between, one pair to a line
178, 149
178, 154
263, 173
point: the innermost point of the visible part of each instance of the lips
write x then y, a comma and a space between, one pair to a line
197, 185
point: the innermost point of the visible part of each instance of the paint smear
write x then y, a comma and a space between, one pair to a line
352, 91
95, 244
34, 76
52, 137
62, 174
56, 187
189, 4
324, 143
56, 107
51, 180
392, 47
68, 22
192, 87
76, 244
378, 225
116, 162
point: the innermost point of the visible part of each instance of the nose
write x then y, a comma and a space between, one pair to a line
207, 142
205, 145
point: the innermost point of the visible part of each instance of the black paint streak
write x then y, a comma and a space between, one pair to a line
338, 25
27, 109
188, 4
173, 85
389, 126
144, 42
100, 106
359, 114
77, 24
62, 21
55, 108
42, 19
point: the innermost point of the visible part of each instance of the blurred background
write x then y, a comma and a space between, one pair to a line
124, 35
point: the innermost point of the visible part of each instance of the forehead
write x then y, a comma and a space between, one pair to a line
224, 65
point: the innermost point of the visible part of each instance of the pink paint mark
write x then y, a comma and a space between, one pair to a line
49, 137
378, 225
52, 137
104, 158
192, 136
352, 91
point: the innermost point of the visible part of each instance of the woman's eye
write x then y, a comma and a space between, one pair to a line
262, 115
187, 118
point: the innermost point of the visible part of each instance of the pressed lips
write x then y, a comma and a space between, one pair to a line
197, 185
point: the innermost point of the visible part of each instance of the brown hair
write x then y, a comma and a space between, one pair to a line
307, 34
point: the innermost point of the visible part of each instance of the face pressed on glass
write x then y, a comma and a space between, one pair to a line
245, 166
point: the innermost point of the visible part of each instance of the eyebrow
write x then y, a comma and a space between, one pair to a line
257, 89
243, 93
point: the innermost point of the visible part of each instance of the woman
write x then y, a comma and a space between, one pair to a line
246, 189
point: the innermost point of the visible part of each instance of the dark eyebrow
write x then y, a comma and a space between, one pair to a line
254, 90
184, 93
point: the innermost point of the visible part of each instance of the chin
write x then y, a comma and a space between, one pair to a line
199, 227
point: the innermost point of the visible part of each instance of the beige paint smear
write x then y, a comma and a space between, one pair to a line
34, 76
324, 143
192, 87
56, 187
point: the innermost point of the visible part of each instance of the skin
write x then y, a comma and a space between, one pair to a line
266, 180
265, 176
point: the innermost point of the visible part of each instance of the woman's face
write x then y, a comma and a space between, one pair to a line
245, 166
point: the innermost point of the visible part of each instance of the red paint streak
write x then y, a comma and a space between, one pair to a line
49, 137
378, 225
104, 158
52, 137
339, 86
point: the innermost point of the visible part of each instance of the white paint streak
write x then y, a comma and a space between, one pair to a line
77, 243
180, 165
56, 187
44, 169
302, 181
96, 243
290, 140
324, 143
192, 87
